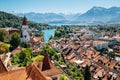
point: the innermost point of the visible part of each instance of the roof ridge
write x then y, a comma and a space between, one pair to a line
39, 71
34, 69
3, 68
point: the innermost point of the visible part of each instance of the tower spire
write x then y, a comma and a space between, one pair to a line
25, 22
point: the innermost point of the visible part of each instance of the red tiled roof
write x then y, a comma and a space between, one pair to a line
35, 74
42, 71
17, 50
29, 73
47, 68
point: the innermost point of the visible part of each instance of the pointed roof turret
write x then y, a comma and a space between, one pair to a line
25, 22
48, 68
46, 62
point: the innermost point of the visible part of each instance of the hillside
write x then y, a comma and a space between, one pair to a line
10, 20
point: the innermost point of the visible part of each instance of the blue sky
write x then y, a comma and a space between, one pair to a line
56, 6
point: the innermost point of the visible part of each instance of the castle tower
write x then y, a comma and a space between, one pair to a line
25, 34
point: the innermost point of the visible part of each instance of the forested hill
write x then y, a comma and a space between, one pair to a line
10, 20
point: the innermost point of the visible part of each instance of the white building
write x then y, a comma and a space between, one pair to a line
94, 36
25, 34
117, 38
88, 36
100, 44
111, 41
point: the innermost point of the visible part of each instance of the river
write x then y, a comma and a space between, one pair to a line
48, 33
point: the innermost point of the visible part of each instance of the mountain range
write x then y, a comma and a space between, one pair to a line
94, 15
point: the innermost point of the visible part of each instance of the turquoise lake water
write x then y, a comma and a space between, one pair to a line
48, 33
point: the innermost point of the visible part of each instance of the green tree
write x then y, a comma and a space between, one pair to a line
38, 58
26, 45
111, 55
41, 34
87, 74
3, 35
48, 49
63, 77
15, 40
57, 56
3, 48
23, 58
58, 34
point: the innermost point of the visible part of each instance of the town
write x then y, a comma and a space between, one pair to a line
73, 53
88, 48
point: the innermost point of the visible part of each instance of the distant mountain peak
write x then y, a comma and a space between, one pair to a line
95, 14
100, 14
98, 8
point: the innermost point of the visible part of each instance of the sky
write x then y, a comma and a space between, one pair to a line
54, 6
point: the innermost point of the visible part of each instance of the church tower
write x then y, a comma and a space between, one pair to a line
25, 34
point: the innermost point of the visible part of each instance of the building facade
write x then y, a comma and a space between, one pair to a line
25, 34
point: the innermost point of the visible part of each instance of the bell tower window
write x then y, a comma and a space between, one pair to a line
25, 36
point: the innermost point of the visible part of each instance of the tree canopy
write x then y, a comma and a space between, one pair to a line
23, 58
15, 40
3, 48
3, 35
48, 49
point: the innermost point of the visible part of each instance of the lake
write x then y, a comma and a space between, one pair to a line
48, 33
60, 24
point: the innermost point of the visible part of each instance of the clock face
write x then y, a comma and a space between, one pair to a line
25, 36
24, 28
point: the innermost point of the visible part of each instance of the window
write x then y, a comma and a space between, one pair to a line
25, 36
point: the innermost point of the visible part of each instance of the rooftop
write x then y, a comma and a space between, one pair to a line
35, 71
